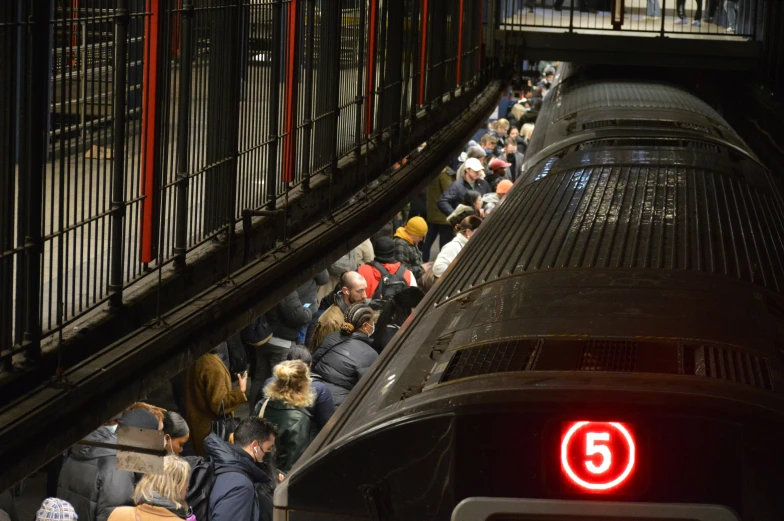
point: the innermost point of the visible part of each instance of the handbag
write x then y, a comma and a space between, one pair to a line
225, 425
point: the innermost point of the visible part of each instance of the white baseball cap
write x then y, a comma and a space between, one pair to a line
473, 163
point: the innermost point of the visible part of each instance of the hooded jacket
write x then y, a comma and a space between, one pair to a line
329, 322
408, 253
448, 254
90, 481
293, 437
342, 360
434, 190
455, 194
157, 509
290, 315
233, 496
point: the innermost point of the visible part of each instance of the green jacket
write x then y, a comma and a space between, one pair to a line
434, 190
293, 437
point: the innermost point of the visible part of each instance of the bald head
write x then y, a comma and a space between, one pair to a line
353, 286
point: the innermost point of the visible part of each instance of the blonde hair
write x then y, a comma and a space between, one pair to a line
291, 384
170, 485
517, 111
502, 123
527, 130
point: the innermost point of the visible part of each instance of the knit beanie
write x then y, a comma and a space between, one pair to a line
416, 227
503, 186
55, 509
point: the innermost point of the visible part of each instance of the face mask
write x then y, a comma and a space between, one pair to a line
373, 330
112, 428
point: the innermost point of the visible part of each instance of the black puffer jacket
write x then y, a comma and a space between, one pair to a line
289, 316
91, 482
342, 360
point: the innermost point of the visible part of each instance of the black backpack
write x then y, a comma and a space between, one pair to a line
389, 285
203, 476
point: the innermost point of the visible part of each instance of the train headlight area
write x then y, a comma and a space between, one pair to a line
606, 346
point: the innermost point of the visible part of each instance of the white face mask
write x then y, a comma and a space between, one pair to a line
112, 428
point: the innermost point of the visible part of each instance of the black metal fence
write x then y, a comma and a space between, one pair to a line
719, 19
134, 131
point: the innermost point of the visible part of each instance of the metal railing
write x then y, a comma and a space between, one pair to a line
133, 131
707, 19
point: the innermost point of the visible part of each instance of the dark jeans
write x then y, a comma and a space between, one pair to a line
267, 357
680, 6
710, 9
444, 233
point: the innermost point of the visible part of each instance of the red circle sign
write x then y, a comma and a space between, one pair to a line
597, 456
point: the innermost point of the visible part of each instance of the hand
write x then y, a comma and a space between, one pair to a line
243, 381
426, 266
281, 477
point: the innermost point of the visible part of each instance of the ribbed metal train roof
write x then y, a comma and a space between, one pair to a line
668, 216
630, 94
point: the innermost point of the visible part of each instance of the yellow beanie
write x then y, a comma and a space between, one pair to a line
417, 227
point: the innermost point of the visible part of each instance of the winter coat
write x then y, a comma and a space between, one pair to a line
207, 384
328, 323
158, 509
516, 167
408, 253
293, 437
434, 190
90, 481
290, 315
342, 360
448, 254
373, 276
349, 262
455, 194
320, 412
381, 337
233, 496
494, 178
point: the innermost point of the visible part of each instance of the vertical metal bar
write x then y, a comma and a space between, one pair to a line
274, 102
423, 52
459, 44
35, 134
663, 16
308, 123
118, 173
150, 104
371, 68
183, 134
571, 16
290, 100
358, 135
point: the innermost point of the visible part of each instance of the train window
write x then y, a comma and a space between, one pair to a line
507, 509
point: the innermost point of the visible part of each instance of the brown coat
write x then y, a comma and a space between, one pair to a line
207, 384
142, 513
329, 322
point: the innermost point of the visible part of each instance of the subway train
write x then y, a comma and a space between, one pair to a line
607, 346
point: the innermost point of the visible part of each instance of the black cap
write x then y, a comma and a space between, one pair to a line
385, 250
141, 418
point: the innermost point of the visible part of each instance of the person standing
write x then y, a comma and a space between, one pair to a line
352, 290
54, 509
208, 392
159, 497
436, 220
407, 241
454, 195
731, 8
465, 231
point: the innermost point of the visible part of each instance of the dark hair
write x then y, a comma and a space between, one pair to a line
470, 197
298, 352
471, 222
399, 307
175, 425
356, 316
253, 429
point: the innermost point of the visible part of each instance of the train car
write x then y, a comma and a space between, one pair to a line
607, 346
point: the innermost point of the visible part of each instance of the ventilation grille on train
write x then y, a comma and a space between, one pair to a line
594, 355
649, 142
652, 123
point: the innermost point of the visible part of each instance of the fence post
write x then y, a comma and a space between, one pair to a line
274, 104
118, 154
307, 129
35, 136
183, 134
291, 89
358, 135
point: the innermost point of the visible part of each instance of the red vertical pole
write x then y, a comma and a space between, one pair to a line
479, 46
423, 56
370, 84
459, 44
74, 30
149, 106
290, 102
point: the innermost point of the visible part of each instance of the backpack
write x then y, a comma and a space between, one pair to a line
389, 285
203, 477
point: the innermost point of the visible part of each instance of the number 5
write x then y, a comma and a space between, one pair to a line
591, 448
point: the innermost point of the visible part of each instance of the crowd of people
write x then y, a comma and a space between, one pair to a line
297, 363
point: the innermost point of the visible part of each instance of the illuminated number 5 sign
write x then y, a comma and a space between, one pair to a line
597, 456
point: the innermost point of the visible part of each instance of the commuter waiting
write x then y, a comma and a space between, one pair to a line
159, 497
407, 241
352, 290
175, 432
395, 313
448, 253
471, 180
285, 403
344, 357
